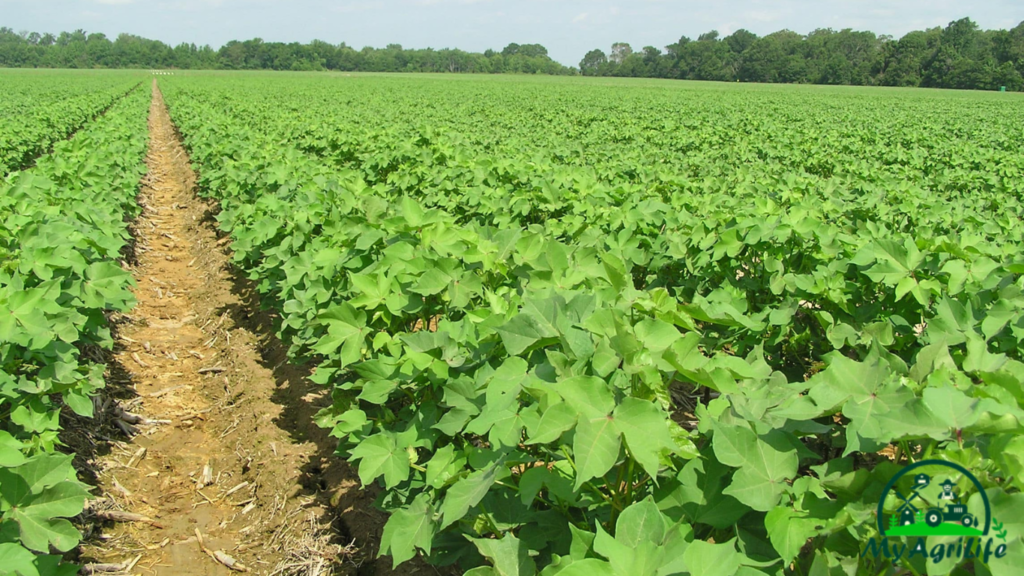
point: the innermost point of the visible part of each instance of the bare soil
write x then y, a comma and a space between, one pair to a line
199, 363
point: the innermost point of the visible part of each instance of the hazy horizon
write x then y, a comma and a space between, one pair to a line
568, 28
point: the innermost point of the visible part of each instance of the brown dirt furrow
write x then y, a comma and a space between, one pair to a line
224, 453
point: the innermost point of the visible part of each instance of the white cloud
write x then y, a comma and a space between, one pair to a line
114, 2
580, 17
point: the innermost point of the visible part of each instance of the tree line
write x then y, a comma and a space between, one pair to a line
79, 49
957, 56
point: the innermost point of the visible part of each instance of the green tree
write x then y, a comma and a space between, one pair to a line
620, 51
592, 62
740, 40
774, 58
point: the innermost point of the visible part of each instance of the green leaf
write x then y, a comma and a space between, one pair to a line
589, 396
698, 493
788, 531
587, 567
657, 335
465, 494
645, 428
508, 555
10, 451
347, 422
582, 543
39, 533
80, 403
555, 421
413, 212
441, 467
604, 360
346, 327
379, 455
641, 522
845, 378
997, 316
979, 359
66, 499
763, 468
595, 447
1008, 508
433, 281
531, 482
103, 287
642, 559
377, 391
36, 417
15, 559
951, 406
1009, 564
408, 529
46, 470
522, 332
705, 559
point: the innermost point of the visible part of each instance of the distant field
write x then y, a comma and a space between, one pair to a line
631, 326
40, 107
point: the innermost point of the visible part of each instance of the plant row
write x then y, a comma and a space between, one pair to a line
39, 111
62, 240
668, 381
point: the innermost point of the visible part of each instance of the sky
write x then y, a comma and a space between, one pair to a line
568, 28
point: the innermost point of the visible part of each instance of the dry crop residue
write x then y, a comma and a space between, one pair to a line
219, 469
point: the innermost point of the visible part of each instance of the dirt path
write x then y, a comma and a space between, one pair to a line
230, 456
